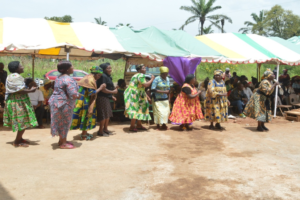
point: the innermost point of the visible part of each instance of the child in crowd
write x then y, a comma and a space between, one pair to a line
120, 94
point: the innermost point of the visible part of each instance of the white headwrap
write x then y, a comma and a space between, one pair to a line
14, 83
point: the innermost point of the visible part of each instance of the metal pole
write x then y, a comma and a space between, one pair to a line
33, 58
276, 93
68, 55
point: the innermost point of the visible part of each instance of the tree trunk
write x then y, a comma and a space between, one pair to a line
202, 20
222, 23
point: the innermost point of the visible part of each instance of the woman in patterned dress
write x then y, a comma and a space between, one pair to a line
160, 89
18, 111
62, 103
216, 102
84, 117
187, 108
259, 106
135, 97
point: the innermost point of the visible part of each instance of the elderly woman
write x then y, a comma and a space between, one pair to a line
259, 106
62, 103
104, 109
135, 97
187, 106
18, 111
84, 117
216, 103
160, 101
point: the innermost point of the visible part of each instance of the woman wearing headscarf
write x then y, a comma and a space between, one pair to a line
18, 111
135, 97
259, 106
187, 107
216, 102
104, 110
160, 89
84, 116
62, 103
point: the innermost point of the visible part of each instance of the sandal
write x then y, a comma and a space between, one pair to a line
87, 137
141, 128
189, 128
25, 141
108, 132
102, 134
181, 127
21, 145
211, 127
133, 130
218, 126
67, 146
67, 143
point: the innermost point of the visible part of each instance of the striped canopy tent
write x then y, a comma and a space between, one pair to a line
48, 39
250, 48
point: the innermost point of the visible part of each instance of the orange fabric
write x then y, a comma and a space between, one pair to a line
186, 110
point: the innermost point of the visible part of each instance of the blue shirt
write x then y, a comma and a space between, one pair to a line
160, 84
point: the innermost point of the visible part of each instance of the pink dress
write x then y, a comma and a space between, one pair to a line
62, 105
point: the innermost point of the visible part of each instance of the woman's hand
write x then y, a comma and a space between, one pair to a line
33, 89
114, 98
222, 94
228, 102
115, 91
199, 92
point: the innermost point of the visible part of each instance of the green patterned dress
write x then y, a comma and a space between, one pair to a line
135, 98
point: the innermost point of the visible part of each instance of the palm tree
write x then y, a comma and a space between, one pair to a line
121, 24
256, 27
200, 10
100, 22
208, 30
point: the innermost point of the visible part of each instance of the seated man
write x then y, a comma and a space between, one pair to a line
247, 90
238, 99
37, 101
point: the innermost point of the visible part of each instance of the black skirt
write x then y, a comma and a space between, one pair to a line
104, 110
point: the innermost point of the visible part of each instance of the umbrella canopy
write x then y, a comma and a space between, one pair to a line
295, 40
250, 48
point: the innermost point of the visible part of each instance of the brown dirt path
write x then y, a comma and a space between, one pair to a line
237, 163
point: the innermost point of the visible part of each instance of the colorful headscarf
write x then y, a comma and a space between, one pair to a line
96, 70
268, 73
218, 72
164, 69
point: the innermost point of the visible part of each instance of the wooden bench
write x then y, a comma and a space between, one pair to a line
293, 115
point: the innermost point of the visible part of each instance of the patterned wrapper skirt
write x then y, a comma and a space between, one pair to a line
19, 113
104, 110
161, 111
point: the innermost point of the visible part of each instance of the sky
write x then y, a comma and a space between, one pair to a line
164, 14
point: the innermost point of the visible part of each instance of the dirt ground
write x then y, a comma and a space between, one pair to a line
236, 163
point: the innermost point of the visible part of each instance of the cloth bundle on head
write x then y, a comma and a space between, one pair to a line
88, 82
268, 73
218, 72
96, 70
188, 78
14, 83
164, 69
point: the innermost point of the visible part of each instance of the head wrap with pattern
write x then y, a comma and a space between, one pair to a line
218, 72
96, 70
268, 73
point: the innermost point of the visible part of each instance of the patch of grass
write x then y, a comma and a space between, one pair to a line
42, 66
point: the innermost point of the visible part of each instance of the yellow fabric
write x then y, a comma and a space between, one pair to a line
164, 69
268, 73
88, 82
52, 51
46, 93
218, 72
47, 81
219, 48
161, 111
1, 31
63, 32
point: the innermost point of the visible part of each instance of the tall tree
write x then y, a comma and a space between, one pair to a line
282, 23
65, 18
259, 25
100, 22
121, 24
208, 30
201, 11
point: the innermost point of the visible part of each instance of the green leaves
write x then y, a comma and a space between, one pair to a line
65, 18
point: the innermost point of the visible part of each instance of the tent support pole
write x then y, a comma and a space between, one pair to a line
258, 72
68, 55
33, 58
276, 93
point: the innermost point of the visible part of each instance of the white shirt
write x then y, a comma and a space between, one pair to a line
35, 97
248, 92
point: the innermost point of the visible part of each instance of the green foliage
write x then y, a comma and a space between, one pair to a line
121, 24
208, 30
276, 22
42, 66
200, 11
100, 22
258, 26
65, 18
